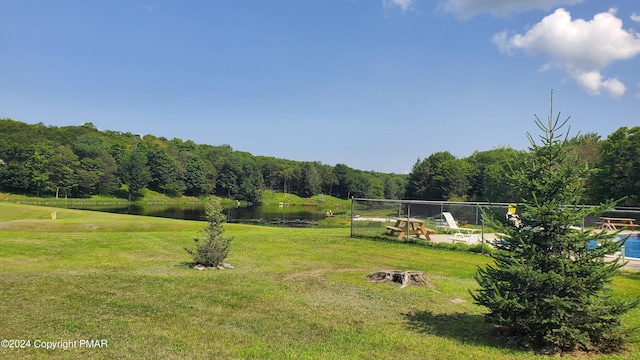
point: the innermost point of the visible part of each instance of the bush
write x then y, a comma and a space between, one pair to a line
477, 248
214, 248
444, 245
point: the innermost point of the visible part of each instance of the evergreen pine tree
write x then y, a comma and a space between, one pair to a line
214, 248
548, 288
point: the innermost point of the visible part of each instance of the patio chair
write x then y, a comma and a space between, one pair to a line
468, 239
452, 225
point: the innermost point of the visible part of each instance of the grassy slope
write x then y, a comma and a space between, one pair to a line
270, 197
294, 293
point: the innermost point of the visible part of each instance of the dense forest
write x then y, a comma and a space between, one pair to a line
82, 161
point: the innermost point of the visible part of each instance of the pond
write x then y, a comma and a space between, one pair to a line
296, 216
276, 215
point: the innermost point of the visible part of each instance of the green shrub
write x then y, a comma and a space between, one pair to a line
445, 245
214, 248
477, 248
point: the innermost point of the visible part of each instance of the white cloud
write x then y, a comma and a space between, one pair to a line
580, 48
593, 83
470, 8
404, 5
635, 17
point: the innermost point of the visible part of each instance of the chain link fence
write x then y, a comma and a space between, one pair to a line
370, 216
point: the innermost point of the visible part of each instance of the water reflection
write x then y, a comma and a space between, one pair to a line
276, 215
267, 215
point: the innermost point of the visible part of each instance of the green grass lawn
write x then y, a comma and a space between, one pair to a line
293, 294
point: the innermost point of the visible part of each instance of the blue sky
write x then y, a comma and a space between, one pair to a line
373, 84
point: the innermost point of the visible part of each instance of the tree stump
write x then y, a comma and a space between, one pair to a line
404, 277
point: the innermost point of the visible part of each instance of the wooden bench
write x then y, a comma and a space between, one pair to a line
615, 225
394, 228
623, 225
610, 223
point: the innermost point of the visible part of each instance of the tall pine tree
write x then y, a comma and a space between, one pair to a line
548, 288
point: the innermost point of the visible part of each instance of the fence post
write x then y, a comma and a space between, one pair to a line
481, 234
407, 224
351, 217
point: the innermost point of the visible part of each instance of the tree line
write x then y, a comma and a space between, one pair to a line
82, 161
613, 166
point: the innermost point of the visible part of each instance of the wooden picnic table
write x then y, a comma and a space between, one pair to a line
612, 223
411, 226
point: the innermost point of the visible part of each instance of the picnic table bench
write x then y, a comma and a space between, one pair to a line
411, 226
612, 223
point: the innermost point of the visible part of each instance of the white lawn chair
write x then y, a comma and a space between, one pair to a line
452, 225
468, 239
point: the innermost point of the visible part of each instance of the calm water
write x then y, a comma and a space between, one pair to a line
266, 215
276, 215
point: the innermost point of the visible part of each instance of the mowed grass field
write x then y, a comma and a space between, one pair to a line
293, 293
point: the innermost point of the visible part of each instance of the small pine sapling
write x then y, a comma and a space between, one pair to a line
212, 250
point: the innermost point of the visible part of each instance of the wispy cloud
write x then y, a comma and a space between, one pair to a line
404, 5
580, 48
470, 8
635, 17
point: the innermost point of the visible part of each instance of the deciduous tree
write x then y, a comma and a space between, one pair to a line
135, 172
618, 168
